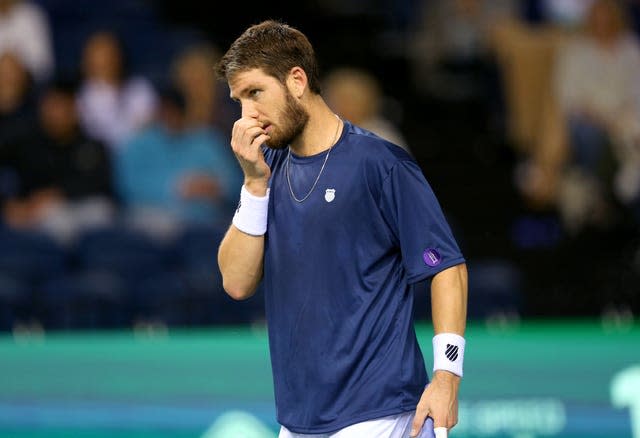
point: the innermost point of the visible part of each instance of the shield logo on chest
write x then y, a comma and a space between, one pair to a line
330, 195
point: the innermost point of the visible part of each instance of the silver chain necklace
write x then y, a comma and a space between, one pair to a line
326, 157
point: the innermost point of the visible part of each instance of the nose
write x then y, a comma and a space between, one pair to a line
249, 110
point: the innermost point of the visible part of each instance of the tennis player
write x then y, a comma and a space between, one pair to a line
337, 225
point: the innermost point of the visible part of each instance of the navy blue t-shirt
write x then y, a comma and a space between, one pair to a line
338, 275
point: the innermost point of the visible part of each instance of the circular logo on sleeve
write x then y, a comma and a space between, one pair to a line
431, 257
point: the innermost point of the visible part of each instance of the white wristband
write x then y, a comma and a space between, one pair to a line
251, 214
448, 352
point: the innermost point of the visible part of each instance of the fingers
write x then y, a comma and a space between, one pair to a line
448, 423
418, 422
247, 136
247, 133
440, 422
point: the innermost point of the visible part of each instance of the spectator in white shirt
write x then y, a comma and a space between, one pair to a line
598, 89
113, 104
25, 31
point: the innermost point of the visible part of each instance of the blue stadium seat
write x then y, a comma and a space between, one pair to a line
206, 302
161, 297
30, 256
197, 245
127, 252
15, 295
84, 300
129, 256
195, 252
495, 289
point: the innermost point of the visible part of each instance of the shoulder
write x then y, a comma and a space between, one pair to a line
137, 87
374, 150
28, 12
272, 156
210, 135
203, 141
148, 137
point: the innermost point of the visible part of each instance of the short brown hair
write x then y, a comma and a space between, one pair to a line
275, 48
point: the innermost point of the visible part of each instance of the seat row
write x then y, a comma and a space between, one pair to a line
115, 277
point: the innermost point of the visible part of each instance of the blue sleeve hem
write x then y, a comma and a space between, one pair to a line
430, 272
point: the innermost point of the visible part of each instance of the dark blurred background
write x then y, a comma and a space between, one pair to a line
117, 182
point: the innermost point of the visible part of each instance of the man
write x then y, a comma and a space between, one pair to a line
172, 175
63, 178
338, 224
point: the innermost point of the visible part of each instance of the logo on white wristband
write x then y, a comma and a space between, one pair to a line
451, 352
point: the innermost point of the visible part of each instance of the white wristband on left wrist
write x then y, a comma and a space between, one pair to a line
251, 215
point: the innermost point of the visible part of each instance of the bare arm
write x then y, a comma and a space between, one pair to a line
449, 300
449, 312
240, 255
240, 259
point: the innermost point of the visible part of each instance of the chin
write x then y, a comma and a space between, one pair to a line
276, 145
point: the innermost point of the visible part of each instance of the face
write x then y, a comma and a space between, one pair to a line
58, 114
604, 20
102, 58
13, 78
171, 116
265, 99
193, 74
6, 5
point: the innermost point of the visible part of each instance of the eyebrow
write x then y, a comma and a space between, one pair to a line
243, 91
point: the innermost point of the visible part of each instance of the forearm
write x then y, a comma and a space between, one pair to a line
449, 300
240, 259
449, 311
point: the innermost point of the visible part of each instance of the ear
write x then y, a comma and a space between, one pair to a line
297, 82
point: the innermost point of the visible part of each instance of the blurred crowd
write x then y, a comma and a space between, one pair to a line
100, 132
555, 84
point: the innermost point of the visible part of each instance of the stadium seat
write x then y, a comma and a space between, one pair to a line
84, 300
129, 253
206, 303
495, 289
30, 256
161, 297
14, 299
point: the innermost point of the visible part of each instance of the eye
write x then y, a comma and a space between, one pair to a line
254, 93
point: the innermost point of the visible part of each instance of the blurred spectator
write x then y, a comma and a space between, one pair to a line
564, 13
526, 48
355, 95
207, 103
452, 47
172, 175
64, 178
582, 167
25, 30
17, 114
114, 104
598, 89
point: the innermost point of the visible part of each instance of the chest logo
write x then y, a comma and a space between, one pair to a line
330, 195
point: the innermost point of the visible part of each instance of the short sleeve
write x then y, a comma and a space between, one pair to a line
415, 217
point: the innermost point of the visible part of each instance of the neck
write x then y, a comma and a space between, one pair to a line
322, 131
